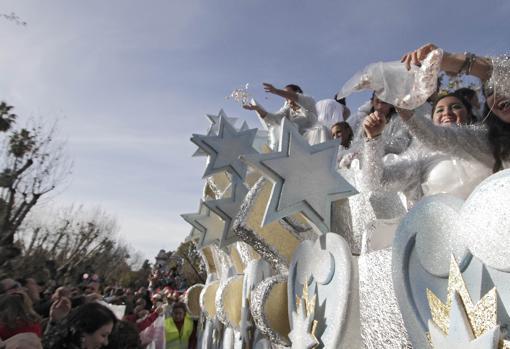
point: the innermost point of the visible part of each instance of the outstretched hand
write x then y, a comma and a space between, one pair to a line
417, 56
269, 88
374, 124
250, 107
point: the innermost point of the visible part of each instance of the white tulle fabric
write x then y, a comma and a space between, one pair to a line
329, 112
394, 84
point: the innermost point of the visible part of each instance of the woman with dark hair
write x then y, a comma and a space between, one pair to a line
420, 171
87, 327
396, 137
488, 143
472, 97
343, 132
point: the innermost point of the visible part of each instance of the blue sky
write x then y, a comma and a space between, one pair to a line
130, 81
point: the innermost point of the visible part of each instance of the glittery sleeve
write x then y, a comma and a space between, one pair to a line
399, 174
396, 137
466, 142
500, 78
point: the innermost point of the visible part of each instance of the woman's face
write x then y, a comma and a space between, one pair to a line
380, 106
500, 106
99, 338
341, 132
450, 110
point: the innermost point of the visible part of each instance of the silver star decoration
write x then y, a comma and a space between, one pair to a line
215, 126
227, 209
460, 334
304, 177
225, 148
208, 225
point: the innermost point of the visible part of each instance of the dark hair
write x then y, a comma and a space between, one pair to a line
466, 92
86, 319
462, 99
345, 125
499, 138
342, 101
179, 305
90, 317
390, 113
124, 336
294, 88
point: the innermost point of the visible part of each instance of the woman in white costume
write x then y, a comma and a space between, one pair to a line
473, 144
420, 171
488, 143
298, 108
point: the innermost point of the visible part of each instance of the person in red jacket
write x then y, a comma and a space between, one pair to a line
18, 316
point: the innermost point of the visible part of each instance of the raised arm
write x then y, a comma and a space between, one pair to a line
399, 176
290, 95
452, 63
463, 141
403, 173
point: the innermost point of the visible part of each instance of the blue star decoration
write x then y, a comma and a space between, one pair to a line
225, 148
215, 125
227, 209
304, 178
207, 226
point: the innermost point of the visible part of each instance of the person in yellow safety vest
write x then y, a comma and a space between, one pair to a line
180, 329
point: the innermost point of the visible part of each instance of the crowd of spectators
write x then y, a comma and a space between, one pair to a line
91, 316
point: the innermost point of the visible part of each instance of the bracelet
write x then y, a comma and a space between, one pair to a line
367, 139
468, 62
472, 60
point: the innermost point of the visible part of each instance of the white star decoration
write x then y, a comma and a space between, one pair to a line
460, 334
227, 209
304, 178
225, 148
215, 126
208, 226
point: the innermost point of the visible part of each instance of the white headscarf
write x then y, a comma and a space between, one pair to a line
329, 112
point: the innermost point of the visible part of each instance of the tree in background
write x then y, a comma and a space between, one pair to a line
193, 267
68, 242
32, 164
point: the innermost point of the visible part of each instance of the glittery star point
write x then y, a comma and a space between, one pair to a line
304, 178
208, 225
225, 148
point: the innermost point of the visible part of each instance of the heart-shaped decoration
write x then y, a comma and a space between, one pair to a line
475, 232
326, 267
317, 265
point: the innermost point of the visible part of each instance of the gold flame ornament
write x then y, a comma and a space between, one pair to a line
304, 326
480, 318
